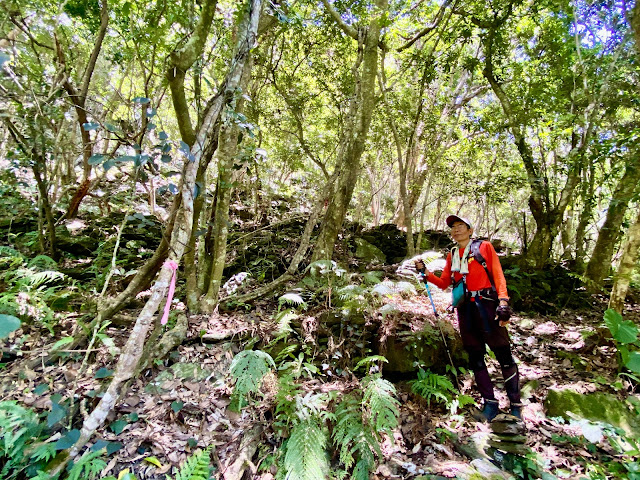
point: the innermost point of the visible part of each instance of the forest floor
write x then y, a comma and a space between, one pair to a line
183, 403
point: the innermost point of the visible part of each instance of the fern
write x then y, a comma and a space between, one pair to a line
433, 386
360, 422
353, 438
371, 360
248, 368
43, 262
324, 267
8, 252
306, 457
292, 299
17, 426
381, 403
35, 280
388, 287
349, 292
87, 467
406, 287
286, 405
284, 321
19, 430
196, 467
29, 292
372, 277
383, 288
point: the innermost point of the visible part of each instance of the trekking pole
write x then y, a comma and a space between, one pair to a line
433, 305
444, 340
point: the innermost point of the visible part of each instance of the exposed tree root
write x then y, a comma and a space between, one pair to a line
248, 447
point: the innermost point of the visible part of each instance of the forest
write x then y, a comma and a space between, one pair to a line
210, 212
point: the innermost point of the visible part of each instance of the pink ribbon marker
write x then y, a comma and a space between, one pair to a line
172, 288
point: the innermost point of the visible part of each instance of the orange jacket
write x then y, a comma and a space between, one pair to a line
477, 277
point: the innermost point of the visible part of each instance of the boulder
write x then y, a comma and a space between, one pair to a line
406, 351
369, 253
597, 407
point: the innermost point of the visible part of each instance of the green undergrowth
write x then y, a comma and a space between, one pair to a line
545, 291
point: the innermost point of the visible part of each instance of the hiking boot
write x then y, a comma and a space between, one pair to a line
489, 411
516, 410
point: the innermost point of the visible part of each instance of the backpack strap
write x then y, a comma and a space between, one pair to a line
475, 251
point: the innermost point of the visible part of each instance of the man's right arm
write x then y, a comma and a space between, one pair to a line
444, 280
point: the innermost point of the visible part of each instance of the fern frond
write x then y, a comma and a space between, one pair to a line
433, 386
372, 277
196, 467
88, 466
370, 360
286, 352
10, 252
306, 457
288, 391
284, 319
321, 266
354, 439
292, 299
37, 279
379, 397
383, 289
43, 262
405, 287
18, 425
350, 291
363, 467
311, 405
249, 368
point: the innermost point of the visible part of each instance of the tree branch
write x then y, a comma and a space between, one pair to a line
181, 61
429, 28
104, 23
348, 29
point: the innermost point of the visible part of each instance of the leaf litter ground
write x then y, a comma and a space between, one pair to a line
183, 404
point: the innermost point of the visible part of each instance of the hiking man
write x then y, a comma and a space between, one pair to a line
480, 291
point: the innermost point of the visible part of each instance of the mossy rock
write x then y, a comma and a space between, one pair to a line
405, 352
369, 253
598, 407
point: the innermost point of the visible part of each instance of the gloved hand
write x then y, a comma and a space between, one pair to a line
503, 312
420, 266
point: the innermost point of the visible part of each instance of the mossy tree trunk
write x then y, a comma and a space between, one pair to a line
588, 200
599, 265
628, 262
227, 156
181, 60
360, 112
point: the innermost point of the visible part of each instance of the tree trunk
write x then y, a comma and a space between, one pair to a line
133, 350
407, 210
79, 100
227, 151
599, 265
627, 264
181, 61
361, 110
588, 200
40, 173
